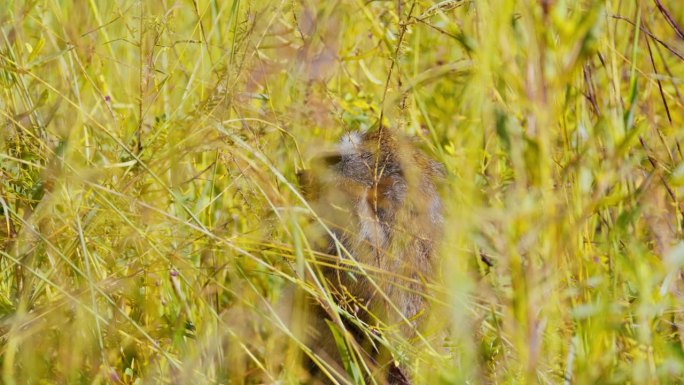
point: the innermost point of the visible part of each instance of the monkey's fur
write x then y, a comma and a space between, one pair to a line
377, 194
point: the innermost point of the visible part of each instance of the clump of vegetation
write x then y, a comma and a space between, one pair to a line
152, 229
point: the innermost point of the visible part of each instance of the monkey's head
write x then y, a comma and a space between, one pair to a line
373, 187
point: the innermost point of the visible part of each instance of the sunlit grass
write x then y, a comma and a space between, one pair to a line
152, 229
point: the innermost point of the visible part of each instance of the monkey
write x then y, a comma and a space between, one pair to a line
377, 196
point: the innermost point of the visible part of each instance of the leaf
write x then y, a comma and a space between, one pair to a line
346, 356
36, 50
368, 74
633, 87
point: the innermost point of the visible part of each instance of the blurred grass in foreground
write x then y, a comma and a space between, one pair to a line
150, 229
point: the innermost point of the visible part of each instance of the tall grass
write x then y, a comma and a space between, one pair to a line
152, 230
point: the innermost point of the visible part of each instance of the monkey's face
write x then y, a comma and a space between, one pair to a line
361, 188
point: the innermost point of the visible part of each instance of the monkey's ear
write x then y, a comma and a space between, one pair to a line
331, 159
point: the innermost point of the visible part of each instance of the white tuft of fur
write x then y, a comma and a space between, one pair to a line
350, 143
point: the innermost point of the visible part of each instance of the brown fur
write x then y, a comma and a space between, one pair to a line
377, 194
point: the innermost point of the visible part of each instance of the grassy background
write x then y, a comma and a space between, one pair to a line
151, 233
